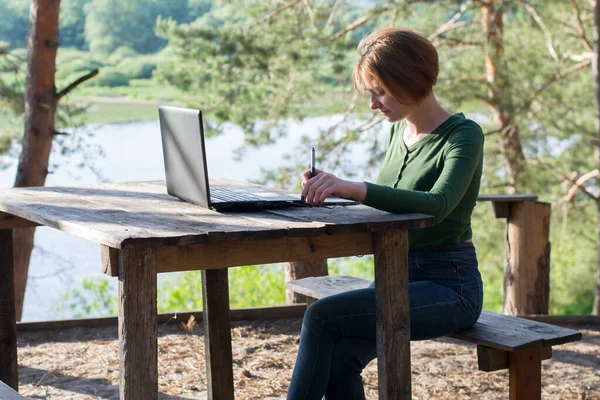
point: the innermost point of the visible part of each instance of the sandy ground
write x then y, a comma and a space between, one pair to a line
82, 363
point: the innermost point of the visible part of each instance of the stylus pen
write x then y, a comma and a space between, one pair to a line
312, 162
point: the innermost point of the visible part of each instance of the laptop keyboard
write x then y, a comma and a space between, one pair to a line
228, 194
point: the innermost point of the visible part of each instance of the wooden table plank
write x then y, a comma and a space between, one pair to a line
8, 221
142, 214
143, 229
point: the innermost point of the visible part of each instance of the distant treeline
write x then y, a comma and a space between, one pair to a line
102, 26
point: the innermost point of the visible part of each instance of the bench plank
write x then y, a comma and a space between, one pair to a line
317, 287
498, 331
515, 334
512, 198
502, 341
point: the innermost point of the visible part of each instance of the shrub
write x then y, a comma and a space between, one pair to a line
73, 69
137, 69
111, 78
122, 53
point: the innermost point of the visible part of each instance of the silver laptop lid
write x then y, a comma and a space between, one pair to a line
184, 154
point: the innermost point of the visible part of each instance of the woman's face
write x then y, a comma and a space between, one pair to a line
387, 105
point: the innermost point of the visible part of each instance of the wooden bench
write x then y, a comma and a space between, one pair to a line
503, 342
7, 393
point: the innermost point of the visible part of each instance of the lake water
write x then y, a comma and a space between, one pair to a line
133, 152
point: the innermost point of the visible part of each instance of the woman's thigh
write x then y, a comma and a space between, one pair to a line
435, 310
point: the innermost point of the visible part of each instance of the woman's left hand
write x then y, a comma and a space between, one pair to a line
323, 185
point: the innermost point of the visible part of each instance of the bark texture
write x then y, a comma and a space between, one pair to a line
299, 270
499, 93
40, 108
596, 71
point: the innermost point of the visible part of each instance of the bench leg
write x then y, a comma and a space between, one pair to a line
525, 374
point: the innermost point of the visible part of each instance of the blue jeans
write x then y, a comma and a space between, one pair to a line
337, 339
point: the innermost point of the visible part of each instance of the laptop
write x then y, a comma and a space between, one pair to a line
186, 169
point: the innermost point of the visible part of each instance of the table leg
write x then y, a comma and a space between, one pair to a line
137, 325
393, 314
8, 325
217, 334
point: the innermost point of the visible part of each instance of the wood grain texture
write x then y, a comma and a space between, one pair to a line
8, 221
237, 314
512, 198
489, 359
525, 375
142, 214
138, 355
221, 254
493, 330
319, 287
7, 393
501, 209
217, 335
8, 326
511, 333
302, 269
110, 260
527, 259
393, 314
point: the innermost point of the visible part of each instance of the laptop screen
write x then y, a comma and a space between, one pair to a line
184, 154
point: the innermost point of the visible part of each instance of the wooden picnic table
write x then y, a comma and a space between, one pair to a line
143, 231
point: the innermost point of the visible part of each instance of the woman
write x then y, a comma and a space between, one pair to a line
433, 166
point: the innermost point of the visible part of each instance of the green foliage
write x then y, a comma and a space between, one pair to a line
248, 287
72, 64
243, 69
11, 97
260, 63
111, 78
111, 24
72, 23
137, 68
15, 22
94, 298
361, 267
69, 71
573, 258
182, 291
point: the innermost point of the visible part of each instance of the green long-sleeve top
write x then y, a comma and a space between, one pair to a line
438, 175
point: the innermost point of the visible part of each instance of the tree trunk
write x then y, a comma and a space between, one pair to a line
499, 96
40, 108
299, 270
596, 305
596, 72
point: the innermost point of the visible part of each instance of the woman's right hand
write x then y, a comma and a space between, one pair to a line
322, 185
306, 175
